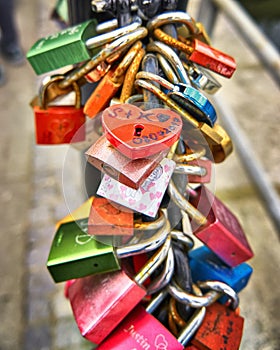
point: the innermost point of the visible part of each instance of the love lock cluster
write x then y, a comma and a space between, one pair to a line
153, 259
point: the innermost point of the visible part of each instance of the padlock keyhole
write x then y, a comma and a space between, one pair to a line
138, 130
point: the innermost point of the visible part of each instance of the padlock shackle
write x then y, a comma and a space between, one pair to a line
105, 38
171, 57
173, 17
185, 205
145, 245
165, 276
156, 260
55, 78
113, 47
192, 326
221, 287
183, 238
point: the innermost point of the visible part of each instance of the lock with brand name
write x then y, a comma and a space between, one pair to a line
63, 48
59, 124
74, 253
100, 302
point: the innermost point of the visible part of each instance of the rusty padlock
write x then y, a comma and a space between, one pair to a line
59, 124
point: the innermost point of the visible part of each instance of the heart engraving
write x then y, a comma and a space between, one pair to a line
139, 134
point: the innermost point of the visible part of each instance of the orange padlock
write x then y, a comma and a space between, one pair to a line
58, 124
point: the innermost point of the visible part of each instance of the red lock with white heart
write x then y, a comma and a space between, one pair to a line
140, 134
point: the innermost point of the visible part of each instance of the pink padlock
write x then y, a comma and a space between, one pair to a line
222, 233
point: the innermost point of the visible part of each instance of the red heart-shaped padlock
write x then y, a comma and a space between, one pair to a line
139, 134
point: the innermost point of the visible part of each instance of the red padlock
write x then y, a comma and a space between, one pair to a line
140, 134
221, 329
100, 302
222, 233
59, 124
108, 219
201, 54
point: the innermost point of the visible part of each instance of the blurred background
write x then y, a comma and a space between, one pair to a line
35, 314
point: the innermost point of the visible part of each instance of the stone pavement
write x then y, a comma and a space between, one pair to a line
35, 314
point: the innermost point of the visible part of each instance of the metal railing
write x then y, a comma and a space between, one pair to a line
269, 57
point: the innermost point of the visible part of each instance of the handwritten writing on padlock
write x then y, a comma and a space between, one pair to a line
139, 134
148, 197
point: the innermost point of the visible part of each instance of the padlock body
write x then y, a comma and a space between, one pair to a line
109, 219
76, 254
100, 100
140, 134
223, 233
100, 302
213, 59
221, 329
139, 331
59, 124
131, 173
63, 48
205, 265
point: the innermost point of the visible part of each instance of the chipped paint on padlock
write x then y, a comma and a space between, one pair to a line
140, 134
221, 328
106, 218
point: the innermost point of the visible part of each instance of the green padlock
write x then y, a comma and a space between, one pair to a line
74, 253
63, 48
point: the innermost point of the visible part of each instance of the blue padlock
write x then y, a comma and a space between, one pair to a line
205, 265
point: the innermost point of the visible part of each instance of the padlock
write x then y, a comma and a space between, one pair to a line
221, 328
100, 302
202, 54
63, 48
82, 212
147, 198
216, 139
110, 83
123, 42
140, 134
107, 219
186, 96
222, 226
194, 157
59, 124
128, 87
205, 265
130, 172
201, 78
215, 289
141, 330
74, 253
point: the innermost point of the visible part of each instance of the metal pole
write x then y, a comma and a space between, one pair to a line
250, 32
250, 162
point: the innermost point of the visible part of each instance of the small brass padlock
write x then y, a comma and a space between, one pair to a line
59, 124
